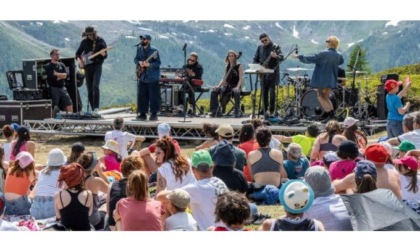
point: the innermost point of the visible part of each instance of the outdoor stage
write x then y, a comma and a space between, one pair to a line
190, 129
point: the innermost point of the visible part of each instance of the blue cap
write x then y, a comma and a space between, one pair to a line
145, 36
15, 126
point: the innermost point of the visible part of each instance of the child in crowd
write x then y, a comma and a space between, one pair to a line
177, 202
112, 159
396, 110
232, 209
404, 147
410, 181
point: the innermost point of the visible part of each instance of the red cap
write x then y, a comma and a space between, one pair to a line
391, 84
376, 153
410, 162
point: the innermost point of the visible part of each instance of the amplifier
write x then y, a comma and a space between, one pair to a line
27, 94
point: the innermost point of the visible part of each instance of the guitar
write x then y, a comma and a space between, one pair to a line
140, 70
267, 60
86, 59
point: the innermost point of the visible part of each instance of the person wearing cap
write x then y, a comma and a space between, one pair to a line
266, 163
112, 159
123, 138
324, 77
46, 186
352, 133
176, 203
77, 150
138, 212
413, 136
396, 110
8, 133
347, 152
97, 185
296, 197
193, 71
19, 179
329, 158
385, 178
226, 134
74, 203
203, 193
269, 55
92, 44
327, 207
408, 167
57, 74
147, 61
404, 147
296, 164
22, 143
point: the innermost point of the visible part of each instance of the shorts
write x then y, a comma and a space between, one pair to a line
43, 207
19, 206
60, 97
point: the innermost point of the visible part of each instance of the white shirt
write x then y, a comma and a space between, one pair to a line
412, 136
47, 185
122, 138
7, 147
171, 182
409, 196
203, 196
180, 221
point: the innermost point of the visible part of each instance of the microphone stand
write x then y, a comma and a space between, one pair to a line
185, 84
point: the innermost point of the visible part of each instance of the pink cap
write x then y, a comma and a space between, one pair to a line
25, 158
409, 161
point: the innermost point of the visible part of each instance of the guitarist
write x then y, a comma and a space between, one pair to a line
269, 55
91, 44
193, 71
148, 89
230, 84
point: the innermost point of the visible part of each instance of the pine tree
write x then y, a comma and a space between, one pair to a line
362, 63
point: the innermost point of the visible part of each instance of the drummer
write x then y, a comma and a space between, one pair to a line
325, 75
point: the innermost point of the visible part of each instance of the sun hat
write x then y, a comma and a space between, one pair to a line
296, 196
111, 145
56, 157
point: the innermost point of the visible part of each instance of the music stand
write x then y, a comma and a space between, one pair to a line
254, 88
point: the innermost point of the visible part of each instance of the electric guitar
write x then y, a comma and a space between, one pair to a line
87, 59
140, 70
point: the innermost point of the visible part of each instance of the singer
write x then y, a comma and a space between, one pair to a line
193, 70
269, 55
325, 75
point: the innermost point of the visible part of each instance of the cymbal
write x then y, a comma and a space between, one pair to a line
296, 69
357, 72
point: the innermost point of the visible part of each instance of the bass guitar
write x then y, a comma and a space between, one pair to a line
87, 59
140, 70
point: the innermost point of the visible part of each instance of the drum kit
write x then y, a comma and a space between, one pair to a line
303, 103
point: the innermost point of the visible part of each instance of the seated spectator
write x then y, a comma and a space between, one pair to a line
296, 197
112, 158
296, 164
404, 147
209, 131
22, 143
5, 225
77, 150
266, 163
247, 143
352, 133
413, 136
329, 158
138, 212
232, 209
327, 207
305, 141
178, 201
19, 179
4, 166
46, 187
390, 150
8, 133
365, 176
274, 143
328, 141
410, 181
347, 151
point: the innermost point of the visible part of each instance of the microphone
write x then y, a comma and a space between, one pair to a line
296, 49
184, 47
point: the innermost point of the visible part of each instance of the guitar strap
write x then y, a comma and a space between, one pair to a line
94, 46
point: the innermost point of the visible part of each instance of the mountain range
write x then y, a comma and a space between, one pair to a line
387, 44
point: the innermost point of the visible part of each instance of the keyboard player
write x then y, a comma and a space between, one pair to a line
193, 72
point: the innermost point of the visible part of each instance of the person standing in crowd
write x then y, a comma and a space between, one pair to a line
325, 75
56, 77
229, 85
93, 68
193, 71
269, 55
147, 61
396, 110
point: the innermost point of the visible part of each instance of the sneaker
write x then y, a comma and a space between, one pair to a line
95, 111
141, 117
153, 117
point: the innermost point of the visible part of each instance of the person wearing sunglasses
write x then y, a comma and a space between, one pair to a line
90, 45
325, 75
193, 71
269, 55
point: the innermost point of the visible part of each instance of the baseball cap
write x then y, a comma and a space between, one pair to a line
330, 157
15, 126
201, 160
164, 129
388, 147
409, 161
294, 150
56, 157
25, 158
179, 198
319, 179
376, 153
364, 167
296, 196
349, 121
225, 130
391, 84
145, 36
406, 146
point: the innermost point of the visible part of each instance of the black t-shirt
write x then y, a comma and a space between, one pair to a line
52, 79
87, 46
234, 179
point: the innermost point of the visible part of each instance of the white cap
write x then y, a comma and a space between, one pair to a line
164, 130
349, 121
